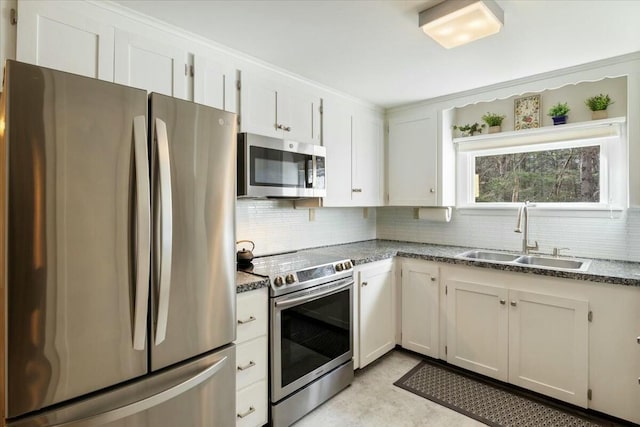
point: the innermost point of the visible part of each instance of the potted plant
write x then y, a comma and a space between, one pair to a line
469, 129
559, 113
494, 121
598, 105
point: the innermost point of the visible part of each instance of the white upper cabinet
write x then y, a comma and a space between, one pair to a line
54, 35
337, 140
214, 84
413, 161
367, 175
353, 138
151, 65
273, 109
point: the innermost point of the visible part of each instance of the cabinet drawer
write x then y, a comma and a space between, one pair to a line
251, 362
251, 405
252, 310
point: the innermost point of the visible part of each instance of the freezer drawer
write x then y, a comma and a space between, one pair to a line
197, 394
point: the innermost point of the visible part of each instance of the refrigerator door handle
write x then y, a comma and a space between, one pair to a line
143, 224
166, 230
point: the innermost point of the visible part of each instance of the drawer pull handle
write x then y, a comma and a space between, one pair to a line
249, 320
503, 302
250, 411
364, 284
251, 364
513, 303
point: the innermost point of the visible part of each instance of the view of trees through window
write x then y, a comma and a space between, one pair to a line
567, 175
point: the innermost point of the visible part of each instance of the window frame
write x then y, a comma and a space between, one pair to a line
613, 181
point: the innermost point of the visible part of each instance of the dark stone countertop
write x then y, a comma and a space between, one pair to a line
604, 271
248, 282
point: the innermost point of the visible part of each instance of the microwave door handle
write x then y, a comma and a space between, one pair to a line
143, 221
166, 231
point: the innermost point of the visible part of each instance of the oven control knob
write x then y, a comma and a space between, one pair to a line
347, 265
278, 281
339, 266
290, 278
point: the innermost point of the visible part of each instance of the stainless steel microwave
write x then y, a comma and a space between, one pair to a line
271, 167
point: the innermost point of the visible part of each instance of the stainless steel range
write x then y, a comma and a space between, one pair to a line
311, 331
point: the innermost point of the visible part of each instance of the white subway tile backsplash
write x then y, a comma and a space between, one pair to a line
593, 237
275, 226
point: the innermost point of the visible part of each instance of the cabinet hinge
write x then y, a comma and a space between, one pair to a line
191, 70
238, 85
445, 350
238, 116
589, 394
590, 316
186, 69
446, 290
13, 17
321, 109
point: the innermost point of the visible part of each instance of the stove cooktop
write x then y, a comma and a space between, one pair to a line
294, 271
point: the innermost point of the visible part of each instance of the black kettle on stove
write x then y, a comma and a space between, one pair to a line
245, 256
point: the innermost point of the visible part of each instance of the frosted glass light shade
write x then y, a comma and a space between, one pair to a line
456, 22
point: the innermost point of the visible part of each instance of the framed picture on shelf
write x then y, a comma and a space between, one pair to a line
527, 112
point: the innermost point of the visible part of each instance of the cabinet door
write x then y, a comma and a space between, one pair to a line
54, 35
214, 84
337, 141
150, 65
548, 345
376, 309
258, 101
420, 308
366, 163
477, 328
413, 162
299, 113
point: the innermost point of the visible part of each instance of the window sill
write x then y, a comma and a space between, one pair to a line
584, 211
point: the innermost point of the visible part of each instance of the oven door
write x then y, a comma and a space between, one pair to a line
311, 334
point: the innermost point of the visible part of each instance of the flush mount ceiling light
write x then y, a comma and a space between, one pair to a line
456, 22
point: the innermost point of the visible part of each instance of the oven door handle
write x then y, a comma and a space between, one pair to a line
313, 296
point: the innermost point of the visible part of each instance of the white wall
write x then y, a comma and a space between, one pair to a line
593, 237
276, 227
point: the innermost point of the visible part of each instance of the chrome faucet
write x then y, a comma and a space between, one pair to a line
523, 223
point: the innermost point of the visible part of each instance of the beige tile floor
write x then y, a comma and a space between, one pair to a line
373, 401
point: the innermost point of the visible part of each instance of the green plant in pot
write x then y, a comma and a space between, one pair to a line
469, 129
598, 105
494, 121
559, 113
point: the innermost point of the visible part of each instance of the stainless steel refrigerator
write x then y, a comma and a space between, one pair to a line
117, 224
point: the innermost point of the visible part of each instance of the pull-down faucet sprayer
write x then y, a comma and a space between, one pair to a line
522, 222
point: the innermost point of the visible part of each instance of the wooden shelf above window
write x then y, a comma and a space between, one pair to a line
547, 134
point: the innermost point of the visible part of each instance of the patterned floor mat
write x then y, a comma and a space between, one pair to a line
488, 402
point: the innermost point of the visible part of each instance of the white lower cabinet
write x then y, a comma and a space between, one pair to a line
251, 406
420, 307
548, 345
251, 358
531, 339
376, 311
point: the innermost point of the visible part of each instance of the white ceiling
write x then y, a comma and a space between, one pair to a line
375, 51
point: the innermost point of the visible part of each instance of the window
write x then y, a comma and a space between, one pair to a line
555, 168
564, 175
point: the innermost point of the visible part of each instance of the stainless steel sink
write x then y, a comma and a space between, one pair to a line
480, 255
546, 262
555, 263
